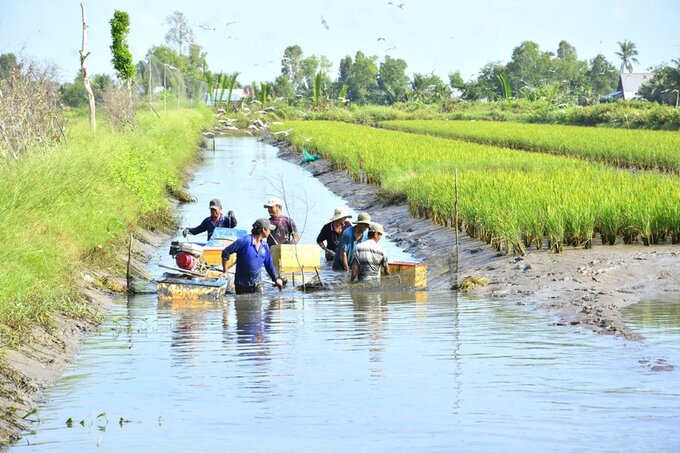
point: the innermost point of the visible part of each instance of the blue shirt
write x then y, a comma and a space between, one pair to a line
249, 261
347, 243
209, 226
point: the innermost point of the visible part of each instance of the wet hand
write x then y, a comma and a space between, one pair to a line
279, 283
330, 254
185, 232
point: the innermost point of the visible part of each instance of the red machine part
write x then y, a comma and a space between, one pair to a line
186, 261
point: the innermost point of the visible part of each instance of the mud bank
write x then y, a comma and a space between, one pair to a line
37, 364
578, 287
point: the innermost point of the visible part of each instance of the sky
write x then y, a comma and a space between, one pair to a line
432, 36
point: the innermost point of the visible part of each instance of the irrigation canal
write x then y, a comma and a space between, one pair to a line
351, 370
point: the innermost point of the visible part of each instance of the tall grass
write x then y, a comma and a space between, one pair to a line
77, 203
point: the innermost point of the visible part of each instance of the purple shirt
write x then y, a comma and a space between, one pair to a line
283, 234
249, 261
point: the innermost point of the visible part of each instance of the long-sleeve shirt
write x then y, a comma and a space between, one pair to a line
249, 260
208, 225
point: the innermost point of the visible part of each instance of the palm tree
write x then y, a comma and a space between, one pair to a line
627, 55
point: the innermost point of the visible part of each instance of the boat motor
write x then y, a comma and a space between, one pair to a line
187, 255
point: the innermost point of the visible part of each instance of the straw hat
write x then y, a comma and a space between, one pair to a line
340, 213
376, 228
363, 217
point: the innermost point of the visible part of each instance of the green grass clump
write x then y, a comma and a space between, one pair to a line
62, 208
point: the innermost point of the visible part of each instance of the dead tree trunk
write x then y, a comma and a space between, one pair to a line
86, 76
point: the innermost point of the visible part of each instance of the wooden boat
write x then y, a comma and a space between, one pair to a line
221, 238
183, 286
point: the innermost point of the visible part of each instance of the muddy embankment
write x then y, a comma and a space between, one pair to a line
578, 287
27, 370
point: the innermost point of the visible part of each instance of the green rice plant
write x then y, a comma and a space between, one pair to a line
623, 148
509, 198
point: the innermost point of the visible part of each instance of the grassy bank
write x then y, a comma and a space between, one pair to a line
71, 208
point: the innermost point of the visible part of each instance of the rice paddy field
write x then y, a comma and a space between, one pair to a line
647, 149
511, 198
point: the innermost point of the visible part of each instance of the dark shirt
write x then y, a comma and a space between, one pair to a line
209, 226
249, 261
329, 235
283, 234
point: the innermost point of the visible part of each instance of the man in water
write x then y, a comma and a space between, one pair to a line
369, 257
216, 219
286, 231
252, 253
350, 238
332, 232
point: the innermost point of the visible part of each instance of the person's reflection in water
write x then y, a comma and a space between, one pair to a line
253, 331
186, 337
369, 315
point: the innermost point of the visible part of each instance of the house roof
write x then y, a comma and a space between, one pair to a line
630, 83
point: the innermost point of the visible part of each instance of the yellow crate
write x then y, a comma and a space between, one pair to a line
410, 274
212, 254
291, 257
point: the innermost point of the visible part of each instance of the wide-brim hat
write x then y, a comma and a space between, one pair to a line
363, 217
340, 213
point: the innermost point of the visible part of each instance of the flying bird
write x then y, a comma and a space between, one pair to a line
381, 39
324, 23
207, 27
401, 5
390, 48
228, 23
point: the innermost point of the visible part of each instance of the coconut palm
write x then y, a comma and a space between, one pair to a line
627, 55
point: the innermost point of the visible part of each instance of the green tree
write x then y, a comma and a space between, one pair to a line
603, 76
122, 58
428, 88
8, 63
283, 88
528, 66
180, 35
291, 65
627, 54
362, 78
664, 87
392, 80
456, 81
486, 85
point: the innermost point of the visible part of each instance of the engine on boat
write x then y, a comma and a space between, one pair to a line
187, 255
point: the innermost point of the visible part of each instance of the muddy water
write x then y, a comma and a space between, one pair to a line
359, 370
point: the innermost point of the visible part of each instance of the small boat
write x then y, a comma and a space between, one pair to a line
179, 286
407, 274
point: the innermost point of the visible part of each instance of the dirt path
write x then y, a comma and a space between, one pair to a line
578, 286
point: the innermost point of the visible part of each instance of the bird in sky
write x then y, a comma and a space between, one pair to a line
390, 48
381, 39
324, 23
401, 5
229, 22
207, 27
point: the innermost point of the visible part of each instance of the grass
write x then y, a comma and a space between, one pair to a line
74, 206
